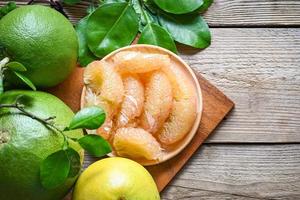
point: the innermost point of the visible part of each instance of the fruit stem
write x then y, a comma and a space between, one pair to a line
46, 122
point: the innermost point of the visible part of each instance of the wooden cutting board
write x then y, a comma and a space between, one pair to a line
215, 107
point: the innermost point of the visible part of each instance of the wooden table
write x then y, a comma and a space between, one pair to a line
255, 60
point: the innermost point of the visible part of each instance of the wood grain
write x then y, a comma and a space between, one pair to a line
227, 13
241, 172
260, 70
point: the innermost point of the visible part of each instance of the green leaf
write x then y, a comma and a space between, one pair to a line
114, 1
7, 8
54, 169
145, 16
206, 4
16, 66
95, 145
91, 8
85, 56
156, 35
179, 6
71, 2
110, 27
75, 164
25, 80
190, 30
88, 118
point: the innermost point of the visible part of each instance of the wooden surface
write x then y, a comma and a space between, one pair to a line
255, 60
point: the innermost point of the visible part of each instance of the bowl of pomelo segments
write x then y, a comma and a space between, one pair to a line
176, 148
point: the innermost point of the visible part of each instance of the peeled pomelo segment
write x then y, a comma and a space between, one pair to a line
158, 102
180, 122
183, 114
91, 99
138, 62
136, 143
105, 81
183, 87
133, 102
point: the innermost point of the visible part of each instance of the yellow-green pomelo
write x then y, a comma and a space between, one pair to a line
43, 40
115, 179
25, 143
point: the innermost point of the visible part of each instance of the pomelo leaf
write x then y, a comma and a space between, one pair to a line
206, 4
16, 66
75, 164
85, 56
25, 80
54, 170
95, 145
88, 118
111, 26
7, 8
178, 6
191, 30
156, 35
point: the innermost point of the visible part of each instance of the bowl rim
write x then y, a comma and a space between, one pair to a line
199, 104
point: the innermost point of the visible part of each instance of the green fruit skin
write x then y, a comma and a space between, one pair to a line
28, 143
43, 40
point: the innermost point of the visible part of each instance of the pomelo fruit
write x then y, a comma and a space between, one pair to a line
137, 62
43, 40
25, 143
158, 103
133, 102
136, 144
115, 179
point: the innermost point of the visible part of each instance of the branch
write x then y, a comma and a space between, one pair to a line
20, 107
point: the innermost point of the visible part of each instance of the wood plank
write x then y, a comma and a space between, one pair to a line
229, 13
259, 69
239, 172
253, 13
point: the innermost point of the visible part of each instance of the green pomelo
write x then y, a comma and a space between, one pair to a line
43, 40
25, 143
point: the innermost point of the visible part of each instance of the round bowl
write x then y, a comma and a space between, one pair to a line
176, 148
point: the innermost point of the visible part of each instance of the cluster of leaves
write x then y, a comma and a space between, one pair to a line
65, 163
116, 23
15, 68
7, 8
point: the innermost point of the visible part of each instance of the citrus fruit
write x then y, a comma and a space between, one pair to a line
136, 143
43, 40
115, 179
107, 88
132, 105
103, 79
138, 62
158, 102
183, 113
25, 143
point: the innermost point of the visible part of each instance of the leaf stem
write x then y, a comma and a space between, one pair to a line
146, 17
20, 107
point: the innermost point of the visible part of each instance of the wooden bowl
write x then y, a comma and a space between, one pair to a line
176, 148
